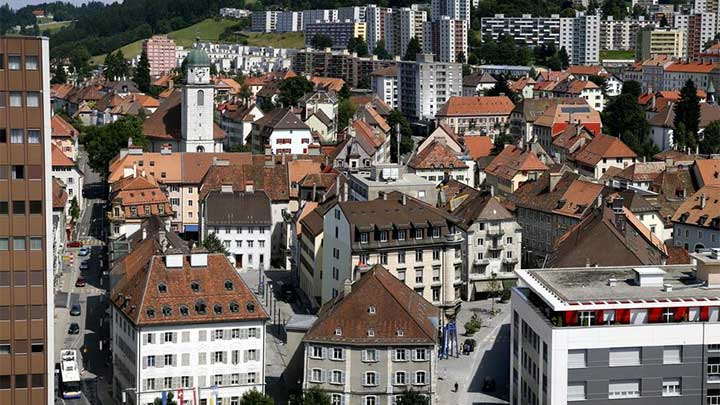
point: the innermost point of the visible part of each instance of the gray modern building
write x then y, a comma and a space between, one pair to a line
425, 85
639, 335
365, 185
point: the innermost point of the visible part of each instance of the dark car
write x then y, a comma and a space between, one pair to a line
74, 329
470, 343
488, 384
287, 293
75, 310
80, 282
84, 266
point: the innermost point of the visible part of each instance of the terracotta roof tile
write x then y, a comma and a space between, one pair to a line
692, 67
478, 146
436, 156
693, 212
62, 128
298, 169
59, 195
708, 171
471, 106
512, 160
59, 158
397, 307
329, 83
603, 147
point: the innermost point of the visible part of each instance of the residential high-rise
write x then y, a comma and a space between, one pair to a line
289, 21
339, 31
264, 21
160, 51
425, 85
352, 13
26, 262
620, 34
401, 25
580, 36
447, 39
455, 9
701, 29
660, 41
375, 19
314, 16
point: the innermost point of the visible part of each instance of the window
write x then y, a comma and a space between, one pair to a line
150, 361
32, 99
624, 389
418, 233
364, 237
419, 275
200, 98
316, 375
168, 360
35, 207
35, 243
671, 387
625, 356
370, 400
34, 137
418, 255
577, 358
14, 62
672, 355
401, 235
15, 99
168, 337
370, 378
401, 257
370, 355
18, 243
400, 378
587, 318
31, 62
337, 354
337, 377
316, 352
400, 355
16, 135
383, 236
420, 355
436, 254
576, 392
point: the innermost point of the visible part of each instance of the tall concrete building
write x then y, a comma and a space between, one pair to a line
620, 34
401, 25
701, 29
581, 38
425, 85
160, 51
289, 21
375, 19
660, 41
321, 15
339, 31
352, 13
455, 9
632, 335
26, 262
264, 21
447, 39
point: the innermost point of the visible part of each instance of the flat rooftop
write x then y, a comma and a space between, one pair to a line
585, 285
405, 179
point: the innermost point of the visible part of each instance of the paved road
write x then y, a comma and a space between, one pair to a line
93, 325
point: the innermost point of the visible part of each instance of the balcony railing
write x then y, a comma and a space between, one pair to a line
481, 262
495, 232
511, 260
713, 371
496, 246
454, 237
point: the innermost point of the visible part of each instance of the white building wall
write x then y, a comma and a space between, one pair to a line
73, 179
299, 141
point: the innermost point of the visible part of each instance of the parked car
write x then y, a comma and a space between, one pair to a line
84, 252
74, 329
80, 282
488, 384
469, 345
84, 265
75, 310
74, 244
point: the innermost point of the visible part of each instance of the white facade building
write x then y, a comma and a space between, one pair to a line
454, 9
581, 38
447, 39
264, 21
425, 85
401, 25
384, 85
198, 106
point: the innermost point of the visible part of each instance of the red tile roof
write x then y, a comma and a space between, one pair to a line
62, 128
709, 171
436, 156
472, 106
512, 160
693, 212
165, 122
478, 146
59, 195
397, 307
59, 158
692, 67
603, 147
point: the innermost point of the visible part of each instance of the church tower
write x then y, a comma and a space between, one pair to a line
197, 105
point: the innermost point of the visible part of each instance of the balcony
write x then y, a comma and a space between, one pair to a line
713, 373
496, 246
512, 260
455, 237
495, 231
481, 262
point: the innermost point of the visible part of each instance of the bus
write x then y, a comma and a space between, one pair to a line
69, 374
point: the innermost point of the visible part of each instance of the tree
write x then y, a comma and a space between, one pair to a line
311, 396
79, 61
142, 73
292, 89
344, 91
501, 88
102, 144
632, 87
213, 244
116, 66
711, 139
74, 209
413, 48
412, 397
245, 94
623, 117
170, 400
564, 58
380, 51
59, 75
502, 139
239, 148
687, 112
358, 45
346, 109
255, 397
320, 41
406, 142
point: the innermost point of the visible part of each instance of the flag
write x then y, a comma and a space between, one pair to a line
180, 397
194, 397
164, 398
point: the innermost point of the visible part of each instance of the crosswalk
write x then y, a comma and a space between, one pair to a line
88, 241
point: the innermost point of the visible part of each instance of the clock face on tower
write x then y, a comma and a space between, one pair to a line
199, 75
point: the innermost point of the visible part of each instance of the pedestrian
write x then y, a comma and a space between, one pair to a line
456, 386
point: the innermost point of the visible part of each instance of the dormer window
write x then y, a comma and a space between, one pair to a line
228, 285
401, 235
195, 286
371, 333
400, 333
383, 236
150, 312
167, 311
184, 311
234, 307
418, 233
371, 309
162, 287
200, 307
338, 332
217, 308
364, 237
436, 232
250, 307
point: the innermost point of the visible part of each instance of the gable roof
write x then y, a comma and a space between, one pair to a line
397, 307
237, 207
603, 147
281, 118
512, 160
666, 116
471, 106
436, 156
566, 198
59, 158
693, 212
62, 128
707, 172
478, 146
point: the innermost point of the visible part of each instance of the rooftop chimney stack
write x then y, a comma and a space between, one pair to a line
347, 287
703, 201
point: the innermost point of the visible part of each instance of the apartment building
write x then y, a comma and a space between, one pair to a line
476, 115
384, 85
620, 34
419, 244
281, 130
188, 324
133, 199
352, 13
660, 41
701, 29
289, 21
492, 238
321, 15
453, 9
606, 334
425, 85
580, 36
354, 70
339, 31
600, 154
446, 39
376, 340
526, 30
160, 51
26, 277
512, 167
696, 224
382, 179
375, 18
67, 171
401, 25
264, 21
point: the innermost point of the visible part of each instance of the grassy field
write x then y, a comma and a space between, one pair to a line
277, 40
53, 26
617, 54
206, 30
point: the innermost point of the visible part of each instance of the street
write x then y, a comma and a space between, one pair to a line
91, 340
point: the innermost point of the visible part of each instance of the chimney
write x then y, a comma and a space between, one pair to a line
703, 201
619, 212
554, 179
347, 287
404, 199
249, 186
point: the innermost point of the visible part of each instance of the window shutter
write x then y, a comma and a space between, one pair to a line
202, 335
245, 356
342, 377
145, 362
226, 334
212, 335
186, 359
174, 337
225, 357
159, 364
212, 358
144, 340
201, 381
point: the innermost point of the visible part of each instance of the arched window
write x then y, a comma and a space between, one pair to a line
200, 97
201, 149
